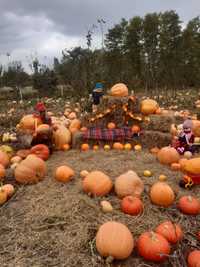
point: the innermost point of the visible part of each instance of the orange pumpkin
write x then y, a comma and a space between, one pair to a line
162, 194
194, 259
131, 205
135, 129
114, 239
129, 184
97, 183
83, 129
119, 89
9, 189
85, 147
23, 153
111, 125
3, 196
2, 172
64, 174
175, 166
192, 166
189, 205
152, 246
168, 155
95, 147
171, 231
31, 170
4, 159
41, 151
118, 146
182, 163
149, 106
196, 127
28, 122
128, 146
43, 129
66, 147
61, 137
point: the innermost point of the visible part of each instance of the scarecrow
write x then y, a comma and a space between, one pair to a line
96, 96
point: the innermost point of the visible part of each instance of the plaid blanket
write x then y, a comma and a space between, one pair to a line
108, 134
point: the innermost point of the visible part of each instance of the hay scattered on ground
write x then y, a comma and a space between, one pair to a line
54, 224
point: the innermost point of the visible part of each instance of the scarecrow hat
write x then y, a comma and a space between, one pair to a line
98, 87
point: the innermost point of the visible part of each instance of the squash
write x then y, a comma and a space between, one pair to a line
97, 183
171, 231
106, 147
30, 171
148, 106
118, 146
162, 178
189, 205
147, 173
194, 258
131, 205
129, 184
106, 206
41, 151
119, 89
168, 155
111, 125
192, 166
114, 239
2, 172
8, 189
64, 174
152, 246
162, 194
4, 159
61, 137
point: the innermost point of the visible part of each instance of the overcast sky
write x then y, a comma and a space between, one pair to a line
43, 28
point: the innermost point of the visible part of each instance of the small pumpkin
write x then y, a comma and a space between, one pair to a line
119, 89
135, 129
84, 173
64, 174
61, 137
95, 147
194, 258
41, 151
106, 206
2, 172
114, 239
131, 205
147, 173
152, 246
111, 125
175, 166
189, 205
129, 184
66, 147
106, 147
171, 231
118, 146
9, 189
168, 155
162, 194
4, 159
85, 147
137, 147
97, 183
187, 155
3, 196
149, 106
162, 178
127, 147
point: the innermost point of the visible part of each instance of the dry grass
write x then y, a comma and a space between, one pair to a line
54, 224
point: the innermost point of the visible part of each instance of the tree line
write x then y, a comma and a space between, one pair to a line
154, 51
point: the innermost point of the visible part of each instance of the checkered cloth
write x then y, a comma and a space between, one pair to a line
108, 134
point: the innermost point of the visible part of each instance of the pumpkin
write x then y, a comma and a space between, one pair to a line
152, 246
171, 231
135, 129
182, 163
189, 205
114, 239
4, 159
194, 258
66, 147
3, 196
147, 173
192, 166
2, 172
128, 147
75, 124
28, 122
41, 151
175, 166
106, 147
9, 189
83, 129
72, 116
106, 206
197, 140
131, 205
148, 106
154, 150
43, 129
95, 147
129, 184
97, 183
162, 194
8, 150
30, 171
138, 147
84, 173
119, 89
187, 155
15, 159
168, 155
196, 127
64, 174
61, 137
23, 153
162, 178
85, 147
118, 146
111, 125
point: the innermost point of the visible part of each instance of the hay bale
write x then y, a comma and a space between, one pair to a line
159, 123
155, 138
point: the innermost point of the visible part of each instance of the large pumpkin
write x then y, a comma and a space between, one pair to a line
168, 155
152, 246
196, 127
4, 159
41, 151
97, 183
149, 106
192, 166
162, 194
119, 89
129, 184
114, 239
31, 170
28, 122
171, 231
194, 258
61, 137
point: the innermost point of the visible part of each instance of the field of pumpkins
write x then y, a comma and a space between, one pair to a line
100, 202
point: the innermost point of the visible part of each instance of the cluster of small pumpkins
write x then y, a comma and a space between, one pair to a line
116, 146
